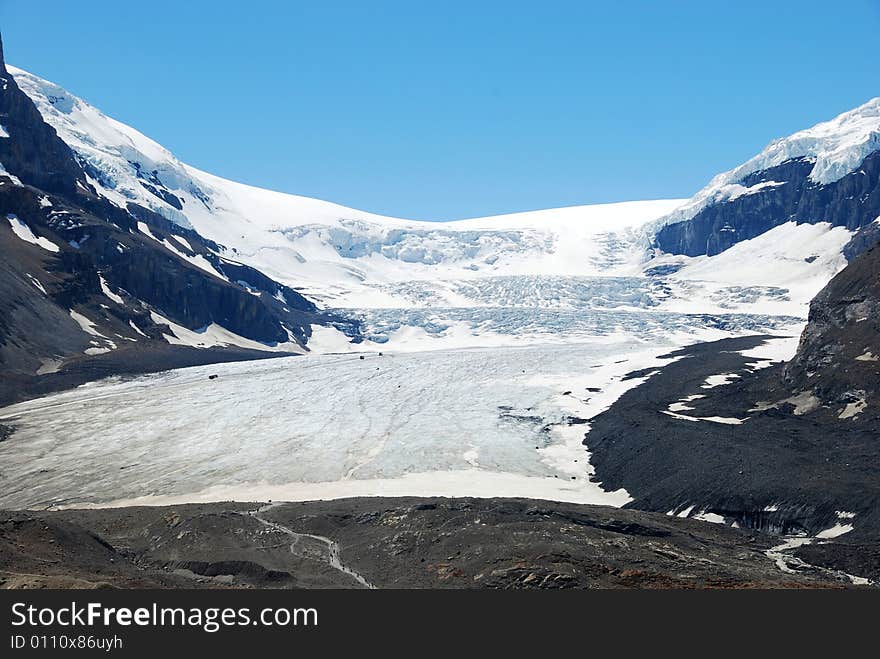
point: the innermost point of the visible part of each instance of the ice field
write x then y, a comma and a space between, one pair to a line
338, 422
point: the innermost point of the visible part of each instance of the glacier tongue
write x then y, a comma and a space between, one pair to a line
479, 422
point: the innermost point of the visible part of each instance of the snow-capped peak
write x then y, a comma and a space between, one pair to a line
836, 147
111, 151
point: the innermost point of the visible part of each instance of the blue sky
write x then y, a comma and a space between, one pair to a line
451, 109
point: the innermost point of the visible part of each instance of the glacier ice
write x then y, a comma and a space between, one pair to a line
483, 414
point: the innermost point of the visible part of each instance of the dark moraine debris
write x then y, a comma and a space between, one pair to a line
390, 543
787, 468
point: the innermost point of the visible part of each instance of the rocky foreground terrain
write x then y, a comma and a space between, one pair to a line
390, 543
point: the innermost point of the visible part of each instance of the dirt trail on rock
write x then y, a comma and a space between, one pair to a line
303, 544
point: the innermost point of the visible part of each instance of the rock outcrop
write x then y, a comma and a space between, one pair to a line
33, 152
838, 358
786, 194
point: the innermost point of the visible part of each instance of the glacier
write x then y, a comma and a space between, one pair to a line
346, 258
502, 421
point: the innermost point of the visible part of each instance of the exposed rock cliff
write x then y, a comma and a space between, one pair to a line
827, 173
33, 151
838, 359
776, 196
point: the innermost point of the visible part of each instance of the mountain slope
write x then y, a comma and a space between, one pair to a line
827, 173
789, 447
328, 249
35, 153
87, 281
837, 363
762, 239
343, 257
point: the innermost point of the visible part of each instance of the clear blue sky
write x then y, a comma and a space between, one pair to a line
451, 109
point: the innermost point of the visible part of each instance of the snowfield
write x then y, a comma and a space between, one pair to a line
23, 231
343, 257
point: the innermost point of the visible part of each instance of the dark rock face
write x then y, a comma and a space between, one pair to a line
101, 266
838, 358
852, 202
803, 456
146, 275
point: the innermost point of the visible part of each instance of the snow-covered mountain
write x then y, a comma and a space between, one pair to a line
346, 258
759, 240
835, 149
327, 250
116, 254
89, 288
827, 173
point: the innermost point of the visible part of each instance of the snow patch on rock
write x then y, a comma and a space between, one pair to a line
23, 231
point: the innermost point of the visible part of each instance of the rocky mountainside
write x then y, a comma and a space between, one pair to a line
789, 447
30, 148
85, 280
786, 447
837, 364
827, 173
